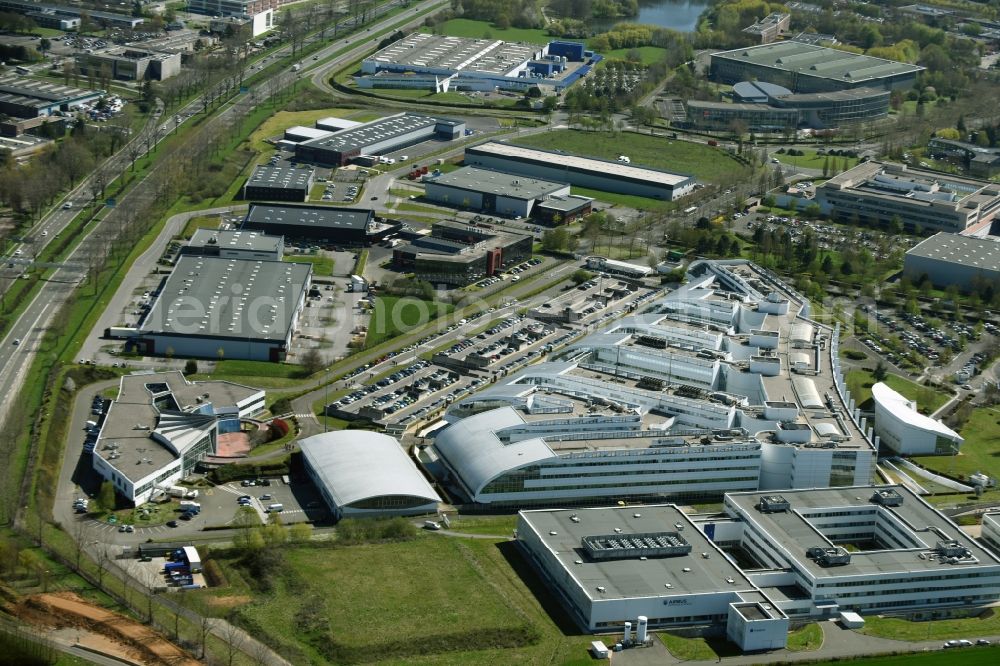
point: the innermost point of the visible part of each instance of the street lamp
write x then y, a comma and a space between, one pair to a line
326, 400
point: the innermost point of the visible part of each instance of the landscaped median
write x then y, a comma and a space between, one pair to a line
987, 623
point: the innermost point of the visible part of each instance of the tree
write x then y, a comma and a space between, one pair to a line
880, 372
558, 240
106, 496
191, 367
312, 361
580, 276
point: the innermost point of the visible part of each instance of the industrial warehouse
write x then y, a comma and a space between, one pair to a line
459, 254
769, 107
160, 426
384, 135
880, 192
130, 64
33, 98
560, 167
725, 384
235, 245
214, 307
499, 192
328, 224
443, 63
811, 554
279, 182
363, 474
954, 259
808, 68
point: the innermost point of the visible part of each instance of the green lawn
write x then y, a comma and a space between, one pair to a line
430, 600
978, 452
812, 160
703, 161
278, 122
647, 54
483, 30
688, 649
321, 265
805, 639
627, 200
394, 315
200, 222
860, 383
987, 624
969, 657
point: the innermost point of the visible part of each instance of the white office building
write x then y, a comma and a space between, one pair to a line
722, 385
908, 432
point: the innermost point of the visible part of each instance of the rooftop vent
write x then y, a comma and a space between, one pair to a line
829, 557
773, 504
887, 497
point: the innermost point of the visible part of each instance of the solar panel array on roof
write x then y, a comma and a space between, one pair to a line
266, 175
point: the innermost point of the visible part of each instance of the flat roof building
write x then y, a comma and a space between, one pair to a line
879, 192
807, 68
160, 426
561, 167
109, 19
259, 14
770, 27
235, 245
279, 182
497, 192
329, 224
724, 384
130, 64
214, 307
362, 474
457, 253
954, 259
31, 98
384, 135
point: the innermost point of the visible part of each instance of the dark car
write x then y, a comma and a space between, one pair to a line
171, 523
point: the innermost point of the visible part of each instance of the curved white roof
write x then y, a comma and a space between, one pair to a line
476, 454
356, 465
808, 396
899, 408
801, 331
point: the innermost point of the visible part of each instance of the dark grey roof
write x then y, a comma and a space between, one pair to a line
281, 176
309, 216
358, 138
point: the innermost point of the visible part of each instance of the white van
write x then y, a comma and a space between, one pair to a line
92, 424
275, 508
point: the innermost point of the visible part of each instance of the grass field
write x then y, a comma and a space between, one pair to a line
321, 265
805, 639
705, 162
255, 373
978, 451
394, 315
688, 649
431, 600
987, 624
647, 54
200, 222
480, 30
860, 383
969, 657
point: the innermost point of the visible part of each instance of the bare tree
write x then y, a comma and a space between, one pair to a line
233, 637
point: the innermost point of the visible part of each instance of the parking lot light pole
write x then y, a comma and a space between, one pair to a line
326, 399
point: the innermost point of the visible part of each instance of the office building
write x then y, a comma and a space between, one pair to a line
769, 107
33, 98
259, 14
803, 555
325, 224
954, 259
235, 245
279, 182
990, 533
617, 268
881, 192
906, 431
160, 426
130, 64
216, 308
808, 68
378, 137
980, 161
724, 384
366, 474
458, 254
54, 15
769, 28
561, 167
491, 191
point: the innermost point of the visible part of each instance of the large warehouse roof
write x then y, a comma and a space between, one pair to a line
966, 250
356, 465
456, 53
229, 298
818, 61
497, 182
358, 138
561, 159
280, 176
325, 217
34, 92
901, 408
251, 241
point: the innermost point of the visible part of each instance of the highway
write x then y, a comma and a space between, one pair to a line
15, 360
